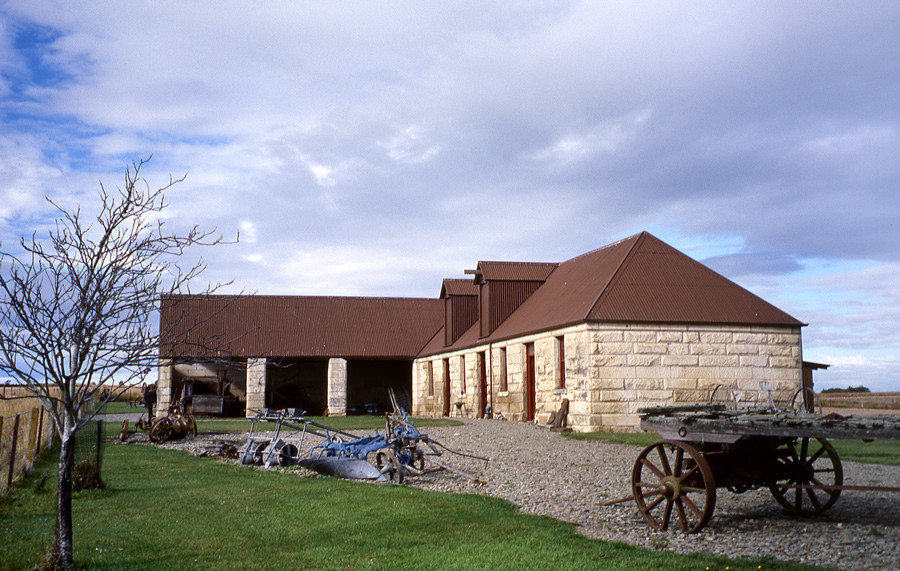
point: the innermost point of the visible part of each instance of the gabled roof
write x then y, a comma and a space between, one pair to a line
297, 326
452, 286
513, 271
638, 279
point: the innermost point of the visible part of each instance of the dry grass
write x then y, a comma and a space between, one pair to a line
873, 403
11, 406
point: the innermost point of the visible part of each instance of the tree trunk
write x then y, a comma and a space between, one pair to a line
62, 544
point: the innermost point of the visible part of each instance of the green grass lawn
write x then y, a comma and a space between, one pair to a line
167, 510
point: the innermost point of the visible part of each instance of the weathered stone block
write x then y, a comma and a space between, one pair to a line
608, 336
669, 336
715, 337
647, 384
783, 339
783, 362
615, 348
754, 360
736, 349
718, 360
775, 350
609, 360
651, 348
609, 384
608, 407
744, 338
642, 360
707, 348
680, 360
690, 337
691, 396
682, 383
632, 420
640, 336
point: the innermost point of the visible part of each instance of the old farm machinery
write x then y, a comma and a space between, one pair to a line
706, 448
400, 451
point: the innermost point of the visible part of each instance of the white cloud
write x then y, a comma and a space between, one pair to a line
409, 146
378, 148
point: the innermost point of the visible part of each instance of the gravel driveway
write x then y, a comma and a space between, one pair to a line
546, 473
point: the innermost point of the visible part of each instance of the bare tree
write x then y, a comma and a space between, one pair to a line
77, 308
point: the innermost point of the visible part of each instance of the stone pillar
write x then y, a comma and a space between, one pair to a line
337, 387
165, 373
256, 386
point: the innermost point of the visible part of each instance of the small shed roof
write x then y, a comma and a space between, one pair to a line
513, 271
453, 286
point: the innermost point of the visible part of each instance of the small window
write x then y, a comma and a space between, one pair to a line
429, 375
561, 363
504, 386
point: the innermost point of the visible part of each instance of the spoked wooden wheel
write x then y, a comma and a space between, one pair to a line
673, 480
161, 430
813, 476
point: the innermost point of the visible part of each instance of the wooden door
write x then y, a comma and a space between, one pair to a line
530, 391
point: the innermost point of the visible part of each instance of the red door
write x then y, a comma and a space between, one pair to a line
446, 387
482, 384
529, 382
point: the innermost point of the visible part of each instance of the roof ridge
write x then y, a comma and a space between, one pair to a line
638, 238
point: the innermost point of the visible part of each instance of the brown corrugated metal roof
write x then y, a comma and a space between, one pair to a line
452, 286
518, 271
638, 279
658, 283
297, 326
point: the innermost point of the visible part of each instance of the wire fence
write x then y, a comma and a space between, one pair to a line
24, 435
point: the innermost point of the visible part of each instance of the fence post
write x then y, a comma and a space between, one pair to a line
31, 452
40, 433
12, 453
99, 443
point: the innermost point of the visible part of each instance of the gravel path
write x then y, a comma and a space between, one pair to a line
545, 473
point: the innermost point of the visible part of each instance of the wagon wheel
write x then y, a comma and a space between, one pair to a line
161, 430
388, 464
673, 477
810, 470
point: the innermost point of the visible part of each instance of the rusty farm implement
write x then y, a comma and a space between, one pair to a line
400, 451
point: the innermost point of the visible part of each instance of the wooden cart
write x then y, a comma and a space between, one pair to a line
707, 447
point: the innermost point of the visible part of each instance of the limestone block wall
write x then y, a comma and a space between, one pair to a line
256, 385
614, 370
510, 402
337, 387
635, 366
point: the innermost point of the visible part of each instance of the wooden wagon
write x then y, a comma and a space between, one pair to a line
707, 447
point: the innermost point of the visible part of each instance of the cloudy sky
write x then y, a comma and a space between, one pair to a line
376, 148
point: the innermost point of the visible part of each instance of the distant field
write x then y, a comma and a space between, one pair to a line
882, 403
15, 405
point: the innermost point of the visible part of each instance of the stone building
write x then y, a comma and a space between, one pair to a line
633, 324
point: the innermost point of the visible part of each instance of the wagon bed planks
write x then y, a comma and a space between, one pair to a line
713, 423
